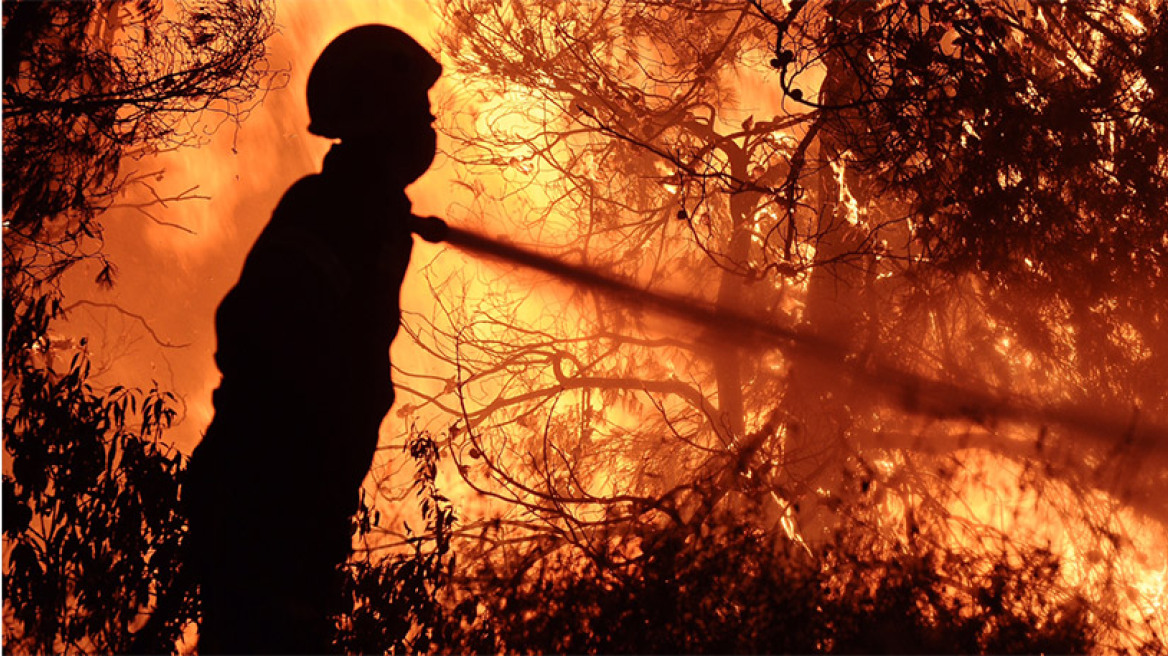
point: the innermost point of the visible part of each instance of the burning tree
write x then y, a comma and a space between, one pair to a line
1022, 148
91, 530
967, 191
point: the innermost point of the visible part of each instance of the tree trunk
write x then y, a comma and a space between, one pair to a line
817, 397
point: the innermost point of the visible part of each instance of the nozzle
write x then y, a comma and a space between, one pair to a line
430, 228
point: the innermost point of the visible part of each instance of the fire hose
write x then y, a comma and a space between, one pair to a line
915, 393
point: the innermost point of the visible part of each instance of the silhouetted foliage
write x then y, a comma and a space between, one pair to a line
980, 113
723, 585
974, 189
398, 601
89, 84
931, 191
91, 530
732, 589
90, 502
867, 212
1026, 143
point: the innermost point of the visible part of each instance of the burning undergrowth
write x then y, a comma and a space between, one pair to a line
724, 582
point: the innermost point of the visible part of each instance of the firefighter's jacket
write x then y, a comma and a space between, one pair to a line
303, 348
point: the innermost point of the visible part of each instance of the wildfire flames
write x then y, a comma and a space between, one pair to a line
662, 146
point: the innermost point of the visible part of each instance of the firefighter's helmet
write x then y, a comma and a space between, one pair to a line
369, 81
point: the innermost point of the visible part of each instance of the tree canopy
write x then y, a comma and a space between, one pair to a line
971, 191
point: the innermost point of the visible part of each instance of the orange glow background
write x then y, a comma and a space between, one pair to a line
174, 278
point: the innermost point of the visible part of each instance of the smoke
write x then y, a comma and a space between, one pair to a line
1138, 438
172, 279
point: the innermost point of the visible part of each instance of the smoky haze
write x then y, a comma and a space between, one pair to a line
552, 403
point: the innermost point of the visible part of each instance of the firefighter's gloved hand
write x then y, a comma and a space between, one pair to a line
430, 228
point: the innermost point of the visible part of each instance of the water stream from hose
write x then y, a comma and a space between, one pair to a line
910, 391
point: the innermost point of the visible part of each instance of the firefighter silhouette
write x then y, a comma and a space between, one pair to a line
303, 348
